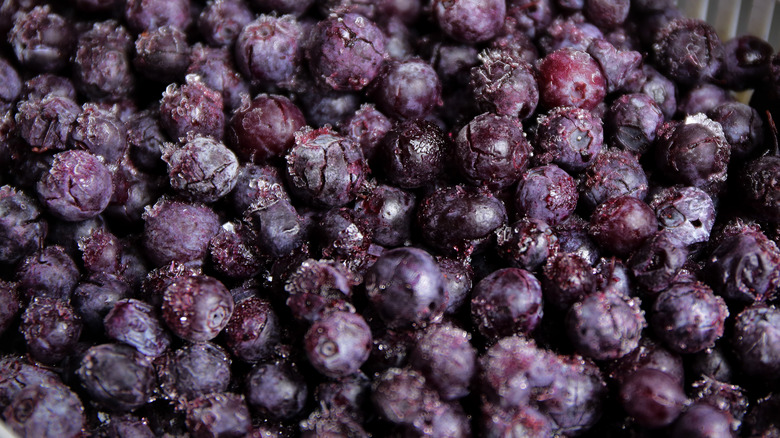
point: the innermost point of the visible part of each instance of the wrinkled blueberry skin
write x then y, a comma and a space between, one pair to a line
203, 169
276, 390
546, 193
49, 272
145, 139
346, 51
338, 344
507, 302
162, 54
195, 370
761, 189
652, 397
101, 65
657, 262
575, 399
567, 278
22, 230
688, 317
218, 414
685, 213
99, 132
253, 330
367, 127
268, 49
745, 267
632, 121
192, 108
78, 186
492, 150
605, 326
264, 127
51, 329
94, 297
46, 124
620, 225
136, 323
469, 20
46, 411
460, 218
406, 287
407, 89
755, 341
505, 85
215, 68
412, 154
147, 15
42, 40
613, 173
197, 308
569, 137
524, 420
221, 21
176, 231
445, 356
688, 50
117, 377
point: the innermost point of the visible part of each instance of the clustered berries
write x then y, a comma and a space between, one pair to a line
388, 218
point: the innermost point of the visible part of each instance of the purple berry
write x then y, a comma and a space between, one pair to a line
338, 344
507, 302
177, 231
268, 50
505, 85
411, 155
470, 21
195, 370
620, 225
568, 137
192, 108
221, 21
445, 356
253, 330
605, 325
546, 193
51, 329
117, 377
218, 414
202, 169
276, 390
197, 308
137, 324
569, 77
652, 397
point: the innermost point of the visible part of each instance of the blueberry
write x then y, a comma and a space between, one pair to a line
568, 137
192, 108
746, 60
221, 21
216, 70
194, 370
684, 213
406, 287
401, 395
507, 302
532, 16
232, 252
42, 40
9, 305
569, 32
101, 65
527, 243
162, 54
145, 139
295, 7
652, 397
46, 412
338, 344
468, 20
197, 308
546, 193
46, 124
117, 377
177, 231
99, 132
575, 399
51, 329
78, 186
95, 296
253, 330
367, 126
277, 227
505, 85
46, 84
703, 98
605, 325
276, 390
202, 169
755, 341
522, 421
268, 50
760, 188
411, 155
218, 414
618, 66
607, 13
137, 324
445, 356
388, 212
570, 77
147, 15
406, 89
702, 420
620, 225
567, 278
21, 227
632, 121
49, 272
742, 126
688, 50
657, 263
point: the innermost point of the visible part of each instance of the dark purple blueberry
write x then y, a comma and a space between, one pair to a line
703, 98
613, 173
101, 66
652, 397
569, 137
137, 324
515, 41
11, 84
505, 85
470, 21
101, 252
276, 390
618, 66
620, 225
406, 287
134, 191
460, 218
445, 356
492, 150
523, 421
367, 127
573, 238
277, 227
348, 395
527, 243
324, 423
221, 21
713, 363
660, 89
263, 128
546, 193
18, 374
742, 126
401, 395
605, 325
745, 267
412, 154
145, 139
606, 13
755, 342
346, 51
78, 186
568, 278
46, 412
685, 213
406, 89
388, 212
342, 235
253, 183
269, 50
569, 32
532, 16
94, 297
569, 77
632, 121
100, 133
232, 251
458, 279
46, 124
338, 344
688, 50
216, 70
218, 415
731, 399
657, 262
22, 229
324, 169
148, 15
162, 54
47, 84
575, 399
117, 377
702, 420
10, 304
253, 330
613, 276
507, 302
197, 308
51, 329
177, 231
192, 108
202, 169
49, 272
325, 106
195, 370
42, 40
746, 61
761, 188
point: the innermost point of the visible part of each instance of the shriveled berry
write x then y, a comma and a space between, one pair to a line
253, 330
21, 227
411, 155
99, 132
162, 54
505, 85
445, 356
221, 21
527, 243
202, 169
605, 325
51, 329
218, 415
685, 213
756, 341
46, 411
688, 50
101, 65
469, 20
137, 324
632, 121
49, 272
567, 278
117, 377
276, 390
745, 267
192, 108
268, 50
195, 370
146, 15
177, 231
46, 124
42, 40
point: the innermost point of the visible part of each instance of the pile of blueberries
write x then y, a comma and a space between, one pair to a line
387, 218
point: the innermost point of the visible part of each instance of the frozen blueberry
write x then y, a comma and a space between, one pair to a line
195, 370
22, 230
575, 398
605, 13
532, 16
760, 187
507, 302
137, 324
746, 61
147, 15
18, 374
101, 65
406, 287
264, 127
527, 243
46, 411
742, 126
46, 124
42, 85
703, 98
388, 212
117, 377
613, 173
469, 20
504, 84
652, 397
197, 308
632, 121
445, 356
268, 50
192, 108
346, 51
51, 329
744, 267
618, 66
620, 225
324, 169
406, 89
216, 70
412, 154
569, 137
95, 296
658, 261
276, 390
253, 330
221, 21
338, 344
218, 415
401, 395
232, 252
49, 272
177, 231
367, 126
605, 325
460, 218
569, 32
145, 139
688, 50
162, 54
567, 278
569, 77
42, 40
685, 213
11, 85
523, 420
546, 193
202, 169
702, 420
10, 304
